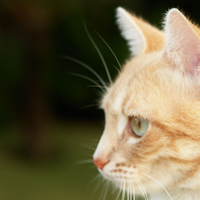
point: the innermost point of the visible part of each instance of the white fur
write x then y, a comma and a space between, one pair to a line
122, 122
133, 140
118, 101
183, 194
131, 32
102, 147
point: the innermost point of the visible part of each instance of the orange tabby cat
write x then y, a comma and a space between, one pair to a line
151, 141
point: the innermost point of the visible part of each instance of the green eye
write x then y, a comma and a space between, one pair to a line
139, 126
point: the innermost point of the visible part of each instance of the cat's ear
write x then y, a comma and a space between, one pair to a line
182, 41
141, 36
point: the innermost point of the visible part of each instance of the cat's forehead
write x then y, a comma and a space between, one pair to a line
132, 86
146, 85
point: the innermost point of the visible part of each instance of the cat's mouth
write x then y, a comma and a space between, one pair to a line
126, 180
120, 175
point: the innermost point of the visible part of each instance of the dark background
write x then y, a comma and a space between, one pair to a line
45, 112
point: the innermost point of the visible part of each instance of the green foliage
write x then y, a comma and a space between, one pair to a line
57, 176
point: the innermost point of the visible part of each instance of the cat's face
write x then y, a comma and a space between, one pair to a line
151, 111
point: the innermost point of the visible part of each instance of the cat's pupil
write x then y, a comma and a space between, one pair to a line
139, 123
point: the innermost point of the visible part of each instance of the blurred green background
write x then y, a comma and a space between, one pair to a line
50, 122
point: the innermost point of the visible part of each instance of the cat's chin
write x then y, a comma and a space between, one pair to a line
123, 180
116, 179
130, 181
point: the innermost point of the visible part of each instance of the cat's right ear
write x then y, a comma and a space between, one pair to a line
182, 42
141, 36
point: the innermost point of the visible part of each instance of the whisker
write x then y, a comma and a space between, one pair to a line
89, 106
106, 190
142, 190
145, 193
84, 161
91, 80
110, 50
98, 176
99, 53
103, 191
158, 183
128, 191
120, 190
123, 190
98, 86
133, 191
116, 69
89, 68
88, 146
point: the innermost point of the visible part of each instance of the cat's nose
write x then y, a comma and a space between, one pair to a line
100, 163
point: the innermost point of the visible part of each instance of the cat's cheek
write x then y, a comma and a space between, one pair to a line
133, 140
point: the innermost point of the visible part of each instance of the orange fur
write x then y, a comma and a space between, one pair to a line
160, 84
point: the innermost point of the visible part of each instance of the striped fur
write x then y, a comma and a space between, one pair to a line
160, 84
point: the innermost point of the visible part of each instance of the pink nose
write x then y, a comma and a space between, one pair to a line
100, 163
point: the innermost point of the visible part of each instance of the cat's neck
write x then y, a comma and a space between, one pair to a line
183, 194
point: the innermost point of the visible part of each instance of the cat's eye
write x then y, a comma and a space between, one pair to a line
139, 126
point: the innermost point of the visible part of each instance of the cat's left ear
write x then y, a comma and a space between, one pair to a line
140, 35
182, 42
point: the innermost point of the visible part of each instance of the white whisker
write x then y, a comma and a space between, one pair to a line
133, 191
120, 190
84, 161
95, 178
143, 194
106, 190
88, 147
98, 183
142, 187
111, 51
130, 190
123, 190
89, 68
127, 190
91, 80
116, 69
158, 183
99, 53
95, 86
90, 105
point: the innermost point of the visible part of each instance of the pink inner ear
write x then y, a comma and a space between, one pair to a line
194, 61
182, 42
189, 47
193, 57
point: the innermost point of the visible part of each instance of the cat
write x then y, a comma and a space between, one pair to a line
151, 141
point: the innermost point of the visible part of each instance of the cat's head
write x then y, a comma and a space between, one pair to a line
152, 110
